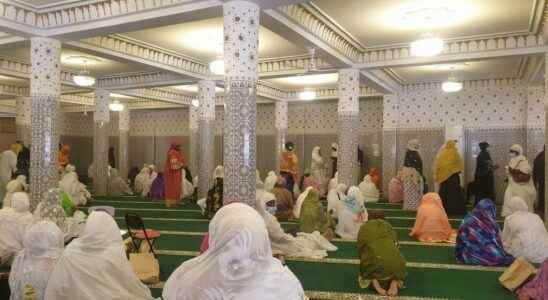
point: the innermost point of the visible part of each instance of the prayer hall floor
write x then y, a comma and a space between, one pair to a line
433, 272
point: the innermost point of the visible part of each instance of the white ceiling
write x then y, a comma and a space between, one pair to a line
44, 3
381, 22
306, 81
203, 40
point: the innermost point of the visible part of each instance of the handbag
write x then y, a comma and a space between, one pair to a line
517, 274
519, 176
146, 267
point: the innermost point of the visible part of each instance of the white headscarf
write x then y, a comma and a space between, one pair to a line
270, 181
413, 145
14, 222
72, 187
515, 161
116, 185
12, 187
43, 244
238, 264
334, 198
299, 203
351, 214
334, 150
369, 190
218, 172
142, 180
95, 266
333, 182
316, 156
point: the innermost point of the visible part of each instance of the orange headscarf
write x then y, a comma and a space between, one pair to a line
64, 155
375, 177
432, 224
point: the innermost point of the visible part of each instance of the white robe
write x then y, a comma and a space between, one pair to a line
334, 198
116, 185
237, 265
141, 181
369, 190
299, 203
14, 222
74, 188
350, 221
8, 166
333, 182
187, 188
94, 266
270, 181
43, 245
318, 169
12, 187
526, 190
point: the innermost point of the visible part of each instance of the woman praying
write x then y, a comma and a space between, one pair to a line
432, 224
412, 188
395, 189
369, 189
116, 185
520, 181
173, 175
14, 222
74, 189
351, 215
448, 167
313, 216
284, 200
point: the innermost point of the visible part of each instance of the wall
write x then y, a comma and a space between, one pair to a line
7, 133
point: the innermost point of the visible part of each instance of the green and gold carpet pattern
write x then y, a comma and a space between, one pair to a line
433, 272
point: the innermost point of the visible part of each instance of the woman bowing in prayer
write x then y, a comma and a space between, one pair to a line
16, 185
351, 214
334, 197
313, 216
116, 185
432, 224
32, 267
448, 167
524, 233
382, 266
520, 181
238, 263
478, 239
94, 266
173, 175
141, 181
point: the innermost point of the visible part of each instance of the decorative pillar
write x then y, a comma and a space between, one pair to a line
281, 129
206, 94
545, 140
194, 113
101, 118
123, 143
45, 89
348, 109
22, 119
241, 54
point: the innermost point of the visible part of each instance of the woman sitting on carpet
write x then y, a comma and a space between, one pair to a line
237, 265
524, 233
478, 240
334, 198
432, 224
94, 266
284, 200
142, 180
369, 189
116, 185
313, 216
351, 214
214, 200
14, 222
381, 264
395, 189
16, 185
74, 189
536, 288
309, 181
31, 269
270, 181
308, 245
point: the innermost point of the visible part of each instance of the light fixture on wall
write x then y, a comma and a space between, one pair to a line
427, 46
307, 95
195, 102
116, 106
451, 86
217, 67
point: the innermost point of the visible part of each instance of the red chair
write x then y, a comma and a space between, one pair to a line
138, 232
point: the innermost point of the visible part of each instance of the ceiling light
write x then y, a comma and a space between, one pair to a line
217, 67
116, 106
307, 95
83, 79
195, 102
451, 86
427, 46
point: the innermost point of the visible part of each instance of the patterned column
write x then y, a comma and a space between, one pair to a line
545, 140
206, 94
123, 143
45, 88
101, 118
22, 119
280, 124
241, 46
194, 114
348, 109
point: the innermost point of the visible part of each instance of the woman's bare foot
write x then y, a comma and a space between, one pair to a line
378, 288
393, 290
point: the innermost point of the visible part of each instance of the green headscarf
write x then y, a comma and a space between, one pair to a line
313, 216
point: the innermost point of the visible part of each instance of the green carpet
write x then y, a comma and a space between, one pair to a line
432, 270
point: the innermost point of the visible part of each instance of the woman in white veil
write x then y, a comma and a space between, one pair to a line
318, 168
31, 269
525, 190
270, 181
76, 191
237, 265
116, 185
14, 223
94, 266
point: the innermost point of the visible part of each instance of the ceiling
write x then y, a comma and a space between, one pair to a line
306, 81
203, 40
385, 22
44, 3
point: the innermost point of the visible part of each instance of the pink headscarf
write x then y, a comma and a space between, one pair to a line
432, 224
538, 287
395, 189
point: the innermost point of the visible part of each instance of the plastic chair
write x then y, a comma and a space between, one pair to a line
138, 232
108, 209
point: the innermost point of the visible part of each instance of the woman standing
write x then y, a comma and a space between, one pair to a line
412, 188
520, 181
318, 168
484, 179
447, 171
173, 175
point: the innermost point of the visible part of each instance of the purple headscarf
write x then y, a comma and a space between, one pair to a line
538, 287
157, 188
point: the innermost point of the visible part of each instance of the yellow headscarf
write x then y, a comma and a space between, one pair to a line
448, 162
15, 147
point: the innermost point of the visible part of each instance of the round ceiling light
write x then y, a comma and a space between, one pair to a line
217, 67
307, 95
116, 106
195, 102
427, 46
83, 79
451, 86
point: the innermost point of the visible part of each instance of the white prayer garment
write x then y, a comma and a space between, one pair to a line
238, 264
14, 222
95, 266
31, 269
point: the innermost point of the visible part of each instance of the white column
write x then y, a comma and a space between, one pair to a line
45, 89
194, 114
101, 118
241, 54
206, 94
123, 142
280, 124
22, 119
348, 110
546, 139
